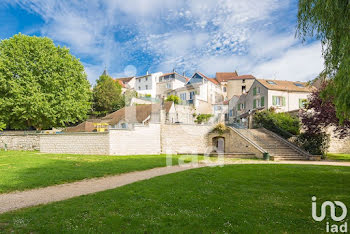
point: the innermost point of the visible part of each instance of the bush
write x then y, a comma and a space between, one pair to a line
173, 98
203, 118
283, 124
2, 126
220, 128
316, 144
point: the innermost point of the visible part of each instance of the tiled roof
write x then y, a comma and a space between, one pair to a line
120, 82
224, 76
243, 77
284, 85
135, 114
213, 80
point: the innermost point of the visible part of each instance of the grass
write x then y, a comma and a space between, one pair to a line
235, 198
20, 170
339, 157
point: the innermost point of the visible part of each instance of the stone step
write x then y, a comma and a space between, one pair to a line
278, 158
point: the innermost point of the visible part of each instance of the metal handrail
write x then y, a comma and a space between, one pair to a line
303, 152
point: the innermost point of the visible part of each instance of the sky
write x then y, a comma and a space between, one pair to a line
132, 37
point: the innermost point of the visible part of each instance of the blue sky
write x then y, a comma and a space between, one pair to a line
136, 36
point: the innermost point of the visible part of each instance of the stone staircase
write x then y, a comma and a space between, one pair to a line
277, 147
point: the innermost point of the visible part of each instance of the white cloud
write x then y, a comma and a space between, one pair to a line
301, 63
189, 35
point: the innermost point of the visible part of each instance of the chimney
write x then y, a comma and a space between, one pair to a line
147, 73
173, 69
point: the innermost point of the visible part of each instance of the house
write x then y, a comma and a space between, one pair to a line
147, 85
283, 96
222, 78
126, 82
169, 81
200, 92
239, 85
220, 111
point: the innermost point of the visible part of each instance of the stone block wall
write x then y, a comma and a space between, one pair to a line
141, 140
185, 138
75, 143
20, 141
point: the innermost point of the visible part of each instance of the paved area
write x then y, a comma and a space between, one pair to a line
22, 199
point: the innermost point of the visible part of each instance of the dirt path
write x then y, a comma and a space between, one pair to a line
21, 199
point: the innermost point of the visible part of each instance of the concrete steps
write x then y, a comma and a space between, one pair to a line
277, 148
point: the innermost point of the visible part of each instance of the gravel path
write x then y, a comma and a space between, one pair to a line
21, 199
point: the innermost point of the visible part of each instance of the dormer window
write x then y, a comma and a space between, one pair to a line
298, 85
271, 82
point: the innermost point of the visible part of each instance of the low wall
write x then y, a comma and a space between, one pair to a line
140, 140
75, 143
185, 138
20, 141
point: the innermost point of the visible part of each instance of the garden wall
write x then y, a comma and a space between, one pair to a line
75, 143
185, 138
20, 141
139, 141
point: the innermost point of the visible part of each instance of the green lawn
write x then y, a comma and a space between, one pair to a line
341, 157
21, 170
235, 198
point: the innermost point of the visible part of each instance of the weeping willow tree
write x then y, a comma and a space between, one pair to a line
329, 21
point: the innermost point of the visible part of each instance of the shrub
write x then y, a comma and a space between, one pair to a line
220, 128
316, 144
203, 118
2, 126
173, 98
283, 124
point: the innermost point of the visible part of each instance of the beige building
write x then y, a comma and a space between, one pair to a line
168, 82
283, 96
239, 85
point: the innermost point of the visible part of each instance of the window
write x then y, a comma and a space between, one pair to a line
146, 86
191, 95
257, 89
271, 82
243, 81
216, 108
299, 85
278, 101
139, 88
302, 103
224, 89
231, 112
139, 80
146, 78
243, 89
256, 103
183, 96
168, 85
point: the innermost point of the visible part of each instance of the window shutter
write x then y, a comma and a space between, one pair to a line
239, 106
283, 101
274, 101
254, 91
300, 103
262, 101
254, 103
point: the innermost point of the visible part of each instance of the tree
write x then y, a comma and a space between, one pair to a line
329, 21
320, 114
173, 98
2, 126
128, 95
107, 95
41, 85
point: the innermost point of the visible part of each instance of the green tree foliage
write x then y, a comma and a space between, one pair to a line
2, 126
173, 98
329, 21
128, 95
41, 85
107, 95
203, 118
281, 123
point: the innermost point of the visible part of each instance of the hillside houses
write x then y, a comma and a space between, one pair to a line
228, 96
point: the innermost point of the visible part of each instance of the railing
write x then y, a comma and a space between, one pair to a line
301, 151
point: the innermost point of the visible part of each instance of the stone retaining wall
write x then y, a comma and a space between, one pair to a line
20, 141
